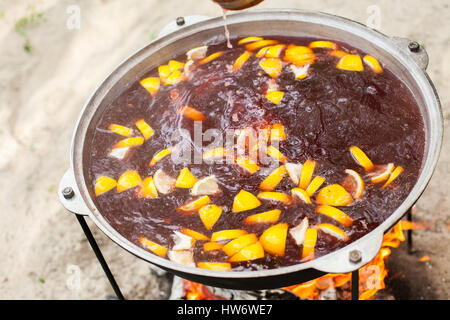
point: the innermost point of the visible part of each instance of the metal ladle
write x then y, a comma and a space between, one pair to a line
237, 4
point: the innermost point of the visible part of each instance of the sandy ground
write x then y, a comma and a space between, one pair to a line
42, 92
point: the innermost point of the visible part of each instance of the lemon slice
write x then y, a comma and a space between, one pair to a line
309, 245
239, 243
301, 194
381, 173
245, 201
185, 179
148, 188
205, 186
194, 205
185, 257
271, 216
252, 252
273, 239
336, 214
361, 158
120, 130
294, 170
104, 184
227, 234
397, 171
354, 184
299, 232
182, 241
273, 179
334, 195
128, 180
216, 266
153, 247
333, 231
209, 215
163, 182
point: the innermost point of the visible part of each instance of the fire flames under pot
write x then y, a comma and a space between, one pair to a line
328, 287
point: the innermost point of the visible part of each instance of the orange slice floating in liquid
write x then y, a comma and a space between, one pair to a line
334, 195
299, 55
274, 51
277, 132
381, 173
227, 234
239, 63
373, 64
128, 180
354, 184
309, 244
275, 96
301, 194
175, 65
121, 130
300, 72
153, 246
211, 57
214, 154
249, 39
247, 164
272, 66
307, 173
194, 234
252, 252
273, 179
191, 113
104, 184
259, 44
216, 266
209, 215
186, 179
276, 154
194, 205
323, 44
144, 128
361, 158
333, 231
245, 201
273, 239
159, 156
335, 214
148, 188
239, 243
350, 62
337, 53
212, 246
271, 216
397, 171
314, 185
129, 142
152, 85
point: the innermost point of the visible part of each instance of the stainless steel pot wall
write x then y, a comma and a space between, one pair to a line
395, 54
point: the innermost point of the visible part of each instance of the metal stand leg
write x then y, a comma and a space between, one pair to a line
409, 232
99, 256
355, 285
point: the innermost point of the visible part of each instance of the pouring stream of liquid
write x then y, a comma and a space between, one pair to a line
227, 32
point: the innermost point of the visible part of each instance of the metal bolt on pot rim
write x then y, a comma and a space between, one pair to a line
355, 256
68, 193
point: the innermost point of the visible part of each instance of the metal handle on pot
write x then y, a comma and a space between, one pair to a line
351, 257
414, 50
69, 195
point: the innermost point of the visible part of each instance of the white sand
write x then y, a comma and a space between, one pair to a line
42, 93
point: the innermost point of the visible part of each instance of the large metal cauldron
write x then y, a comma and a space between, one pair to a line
408, 63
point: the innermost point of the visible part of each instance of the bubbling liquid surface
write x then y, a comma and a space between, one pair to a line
322, 115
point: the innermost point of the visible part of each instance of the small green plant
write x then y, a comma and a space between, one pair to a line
23, 25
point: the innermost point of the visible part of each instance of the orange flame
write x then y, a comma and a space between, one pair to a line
371, 276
